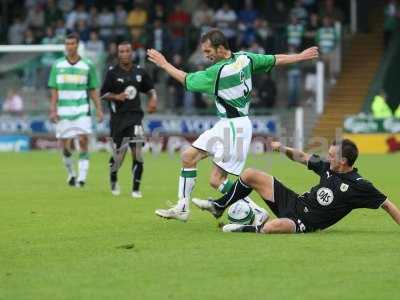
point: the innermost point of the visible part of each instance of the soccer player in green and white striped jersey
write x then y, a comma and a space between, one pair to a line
73, 80
229, 81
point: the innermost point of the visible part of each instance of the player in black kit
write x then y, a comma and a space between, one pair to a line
122, 86
340, 190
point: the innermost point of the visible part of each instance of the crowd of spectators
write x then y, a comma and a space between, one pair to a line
174, 27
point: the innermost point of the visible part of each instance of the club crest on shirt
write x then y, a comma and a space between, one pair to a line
324, 196
344, 187
139, 78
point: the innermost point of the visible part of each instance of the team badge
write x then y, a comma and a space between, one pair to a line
139, 78
131, 92
324, 196
344, 187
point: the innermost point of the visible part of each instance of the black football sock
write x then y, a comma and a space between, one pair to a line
238, 191
113, 170
251, 228
137, 171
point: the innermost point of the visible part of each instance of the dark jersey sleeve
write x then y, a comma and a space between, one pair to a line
317, 164
107, 83
147, 83
366, 195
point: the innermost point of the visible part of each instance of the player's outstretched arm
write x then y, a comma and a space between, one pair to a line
291, 153
159, 59
308, 54
392, 210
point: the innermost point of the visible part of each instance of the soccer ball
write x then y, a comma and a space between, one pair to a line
241, 213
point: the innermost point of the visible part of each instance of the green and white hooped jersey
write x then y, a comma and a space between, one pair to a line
72, 81
230, 82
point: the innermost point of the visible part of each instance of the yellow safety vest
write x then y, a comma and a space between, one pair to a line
380, 109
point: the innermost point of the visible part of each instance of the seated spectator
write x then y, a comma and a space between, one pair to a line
299, 12
75, 16
175, 88
106, 22
48, 58
82, 30
266, 91
60, 30
328, 9
112, 55
139, 43
311, 31
178, 21
202, 16
13, 103
248, 15
326, 40
29, 37
93, 21
225, 19
159, 38
35, 19
264, 35
51, 13
391, 20
137, 17
120, 16
94, 46
295, 33
158, 13
380, 109
16, 31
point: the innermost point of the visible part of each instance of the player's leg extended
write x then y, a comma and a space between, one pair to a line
137, 169
119, 148
83, 162
264, 186
68, 160
187, 180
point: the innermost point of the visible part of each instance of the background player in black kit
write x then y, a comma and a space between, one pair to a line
340, 190
122, 86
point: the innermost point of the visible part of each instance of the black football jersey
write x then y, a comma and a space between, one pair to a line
336, 195
133, 82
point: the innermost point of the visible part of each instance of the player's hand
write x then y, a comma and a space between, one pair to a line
121, 97
276, 146
152, 107
156, 57
100, 116
310, 53
53, 116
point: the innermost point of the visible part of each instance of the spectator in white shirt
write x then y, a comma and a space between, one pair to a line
13, 104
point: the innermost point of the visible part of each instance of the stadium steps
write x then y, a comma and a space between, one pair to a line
360, 64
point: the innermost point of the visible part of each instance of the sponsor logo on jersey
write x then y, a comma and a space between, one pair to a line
344, 187
324, 196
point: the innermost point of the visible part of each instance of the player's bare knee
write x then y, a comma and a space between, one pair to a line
247, 176
188, 160
277, 226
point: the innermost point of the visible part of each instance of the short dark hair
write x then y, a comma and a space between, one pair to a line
73, 36
124, 43
348, 150
216, 38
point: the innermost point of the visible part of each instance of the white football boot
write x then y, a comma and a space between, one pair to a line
137, 194
209, 206
174, 212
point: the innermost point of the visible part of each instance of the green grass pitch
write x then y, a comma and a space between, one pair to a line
58, 242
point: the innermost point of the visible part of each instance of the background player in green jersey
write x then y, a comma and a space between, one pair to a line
73, 80
229, 81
